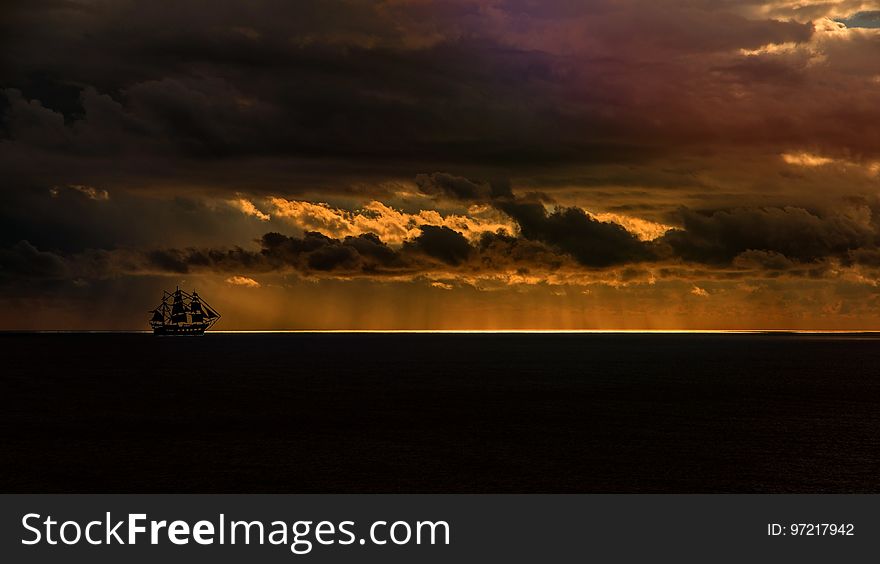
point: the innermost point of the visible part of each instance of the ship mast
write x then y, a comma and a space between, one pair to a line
195, 308
178, 308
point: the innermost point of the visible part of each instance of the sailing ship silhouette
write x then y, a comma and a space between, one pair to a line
188, 314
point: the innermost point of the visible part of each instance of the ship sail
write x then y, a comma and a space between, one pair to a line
157, 316
178, 310
195, 309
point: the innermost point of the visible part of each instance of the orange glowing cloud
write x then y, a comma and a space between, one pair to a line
391, 225
242, 281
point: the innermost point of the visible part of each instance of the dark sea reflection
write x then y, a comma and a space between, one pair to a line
440, 413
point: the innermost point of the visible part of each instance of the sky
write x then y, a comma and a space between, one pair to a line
419, 164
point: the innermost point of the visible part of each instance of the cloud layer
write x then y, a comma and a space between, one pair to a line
714, 149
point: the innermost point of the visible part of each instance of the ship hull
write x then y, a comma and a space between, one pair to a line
179, 330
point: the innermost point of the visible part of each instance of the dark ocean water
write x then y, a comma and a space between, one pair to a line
440, 413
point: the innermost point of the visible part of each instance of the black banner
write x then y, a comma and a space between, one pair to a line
438, 528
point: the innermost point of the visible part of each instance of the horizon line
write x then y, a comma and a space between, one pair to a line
479, 331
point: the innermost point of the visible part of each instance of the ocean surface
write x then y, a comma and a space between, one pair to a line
399, 412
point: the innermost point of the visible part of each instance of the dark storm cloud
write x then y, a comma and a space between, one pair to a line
311, 253
455, 187
591, 242
24, 262
435, 249
181, 261
571, 231
781, 234
213, 92
499, 252
74, 217
445, 185
441, 243
316, 252
386, 85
